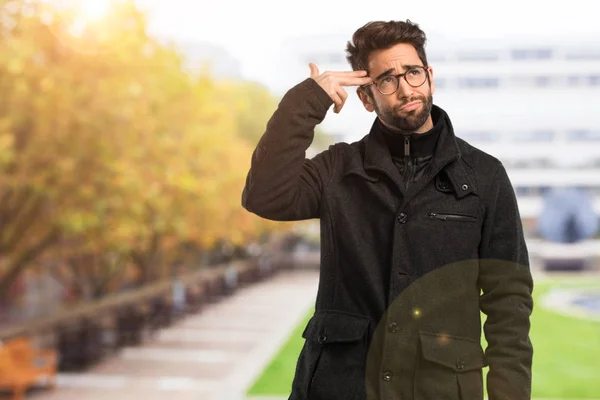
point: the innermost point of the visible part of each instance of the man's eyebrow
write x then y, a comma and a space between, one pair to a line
390, 70
384, 73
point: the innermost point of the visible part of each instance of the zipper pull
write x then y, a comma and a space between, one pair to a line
436, 216
407, 145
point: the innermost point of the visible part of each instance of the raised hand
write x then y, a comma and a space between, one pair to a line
333, 83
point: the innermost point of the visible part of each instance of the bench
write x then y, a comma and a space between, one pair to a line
22, 366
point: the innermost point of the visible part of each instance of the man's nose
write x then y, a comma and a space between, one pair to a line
404, 89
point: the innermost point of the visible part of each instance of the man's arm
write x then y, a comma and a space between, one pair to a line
282, 184
506, 282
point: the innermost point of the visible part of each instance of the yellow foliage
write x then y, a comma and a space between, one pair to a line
117, 138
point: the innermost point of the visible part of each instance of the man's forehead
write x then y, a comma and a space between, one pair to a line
376, 69
399, 58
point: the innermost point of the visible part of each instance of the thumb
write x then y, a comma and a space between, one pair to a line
314, 70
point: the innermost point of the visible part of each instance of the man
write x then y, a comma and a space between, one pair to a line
420, 231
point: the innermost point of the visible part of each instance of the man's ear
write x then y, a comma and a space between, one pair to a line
366, 100
431, 82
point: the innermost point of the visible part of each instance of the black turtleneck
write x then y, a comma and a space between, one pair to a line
413, 144
411, 153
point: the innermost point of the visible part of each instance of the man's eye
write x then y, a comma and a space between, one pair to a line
387, 79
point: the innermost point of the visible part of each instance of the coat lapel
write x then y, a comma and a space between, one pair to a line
378, 159
447, 157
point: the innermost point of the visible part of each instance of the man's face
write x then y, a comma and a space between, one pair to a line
409, 108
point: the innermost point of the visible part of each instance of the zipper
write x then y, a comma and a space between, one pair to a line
409, 169
408, 163
452, 217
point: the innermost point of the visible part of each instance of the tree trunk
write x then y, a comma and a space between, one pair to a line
24, 260
146, 260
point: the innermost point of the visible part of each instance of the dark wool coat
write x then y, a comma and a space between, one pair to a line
405, 272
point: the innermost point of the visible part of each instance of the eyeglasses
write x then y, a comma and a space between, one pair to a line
415, 77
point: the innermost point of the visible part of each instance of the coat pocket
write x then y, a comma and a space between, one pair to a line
449, 367
336, 345
456, 233
449, 216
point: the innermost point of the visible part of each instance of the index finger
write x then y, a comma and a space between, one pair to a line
349, 73
356, 81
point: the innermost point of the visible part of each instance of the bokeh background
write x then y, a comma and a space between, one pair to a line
129, 267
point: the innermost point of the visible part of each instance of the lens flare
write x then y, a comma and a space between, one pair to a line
94, 10
91, 26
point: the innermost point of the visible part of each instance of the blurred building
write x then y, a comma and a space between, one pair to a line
528, 101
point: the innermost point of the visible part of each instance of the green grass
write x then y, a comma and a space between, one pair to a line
276, 380
566, 360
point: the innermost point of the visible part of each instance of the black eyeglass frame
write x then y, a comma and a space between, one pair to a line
398, 76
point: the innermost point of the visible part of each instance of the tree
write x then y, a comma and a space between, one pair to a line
110, 151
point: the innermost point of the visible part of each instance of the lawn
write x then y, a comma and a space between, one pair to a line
566, 353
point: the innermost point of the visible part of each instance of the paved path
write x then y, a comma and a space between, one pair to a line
214, 355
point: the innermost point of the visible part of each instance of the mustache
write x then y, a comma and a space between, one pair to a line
422, 99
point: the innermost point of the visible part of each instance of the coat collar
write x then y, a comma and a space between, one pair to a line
447, 157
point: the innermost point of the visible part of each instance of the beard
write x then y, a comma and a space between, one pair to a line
409, 121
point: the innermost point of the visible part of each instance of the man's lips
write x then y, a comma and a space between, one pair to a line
413, 105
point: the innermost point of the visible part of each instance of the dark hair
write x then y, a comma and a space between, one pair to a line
381, 35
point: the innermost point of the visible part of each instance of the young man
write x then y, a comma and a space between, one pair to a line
420, 232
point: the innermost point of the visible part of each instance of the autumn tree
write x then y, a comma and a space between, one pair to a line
111, 152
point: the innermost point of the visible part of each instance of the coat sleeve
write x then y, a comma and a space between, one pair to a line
283, 185
506, 283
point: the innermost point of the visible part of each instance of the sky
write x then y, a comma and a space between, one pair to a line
253, 31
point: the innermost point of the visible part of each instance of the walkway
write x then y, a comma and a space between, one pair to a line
214, 355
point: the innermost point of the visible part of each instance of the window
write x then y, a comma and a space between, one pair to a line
542, 81
583, 54
594, 80
584, 135
531, 54
582, 80
532, 163
534, 136
542, 163
478, 56
478, 82
478, 136
435, 57
522, 191
440, 83
536, 81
